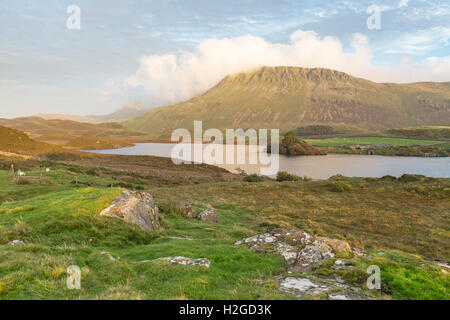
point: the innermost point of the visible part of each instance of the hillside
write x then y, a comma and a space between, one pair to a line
15, 141
38, 126
290, 97
62, 132
91, 142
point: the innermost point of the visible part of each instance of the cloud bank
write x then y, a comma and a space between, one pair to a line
176, 77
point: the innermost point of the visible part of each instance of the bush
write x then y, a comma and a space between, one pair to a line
410, 178
253, 178
286, 176
341, 187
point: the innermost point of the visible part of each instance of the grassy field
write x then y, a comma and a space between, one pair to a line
368, 140
59, 222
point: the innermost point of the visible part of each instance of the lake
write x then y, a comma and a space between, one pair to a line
318, 167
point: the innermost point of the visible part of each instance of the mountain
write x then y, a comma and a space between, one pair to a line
289, 97
132, 110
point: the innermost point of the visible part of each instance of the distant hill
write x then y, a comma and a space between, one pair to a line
291, 97
132, 110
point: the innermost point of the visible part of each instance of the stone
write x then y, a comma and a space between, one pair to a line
348, 296
303, 287
186, 209
300, 249
209, 215
189, 238
202, 262
311, 256
17, 243
337, 245
135, 207
445, 267
110, 257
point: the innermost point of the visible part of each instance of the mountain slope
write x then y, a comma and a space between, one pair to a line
15, 141
289, 97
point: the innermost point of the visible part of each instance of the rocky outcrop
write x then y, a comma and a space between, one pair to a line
135, 207
202, 262
209, 215
301, 250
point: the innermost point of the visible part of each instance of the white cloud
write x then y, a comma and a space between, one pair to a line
422, 41
176, 77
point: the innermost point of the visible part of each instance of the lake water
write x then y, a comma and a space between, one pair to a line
317, 167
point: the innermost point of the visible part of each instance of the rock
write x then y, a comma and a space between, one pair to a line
311, 256
135, 207
341, 264
445, 267
358, 252
17, 243
182, 238
104, 253
202, 262
302, 287
186, 209
348, 296
335, 244
302, 250
209, 215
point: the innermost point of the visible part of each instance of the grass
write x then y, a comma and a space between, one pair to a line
61, 226
368, 141
58, 231
403, 276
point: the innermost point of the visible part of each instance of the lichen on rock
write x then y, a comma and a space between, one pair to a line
135, 207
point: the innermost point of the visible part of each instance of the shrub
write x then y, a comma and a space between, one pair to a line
253, 178
286, 176
410, 178
341, 187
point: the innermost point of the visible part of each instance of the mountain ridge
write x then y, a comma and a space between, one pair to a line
289, 97
129, 111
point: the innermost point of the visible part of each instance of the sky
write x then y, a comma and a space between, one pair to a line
160, 52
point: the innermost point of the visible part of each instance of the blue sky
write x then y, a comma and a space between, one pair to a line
163, 51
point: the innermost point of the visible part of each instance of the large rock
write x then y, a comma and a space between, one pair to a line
135, 207
209, 215
300, 249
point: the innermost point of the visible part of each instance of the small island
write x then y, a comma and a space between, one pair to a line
292, 146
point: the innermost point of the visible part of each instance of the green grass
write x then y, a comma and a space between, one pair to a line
61, 226
62, 177
368, 140
403, 276
58, 230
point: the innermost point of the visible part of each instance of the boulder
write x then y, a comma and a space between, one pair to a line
300, 249
135, 207
186, 209
209, 215
202, 262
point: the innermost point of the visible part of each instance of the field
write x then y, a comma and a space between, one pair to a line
333, 142
403, 224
